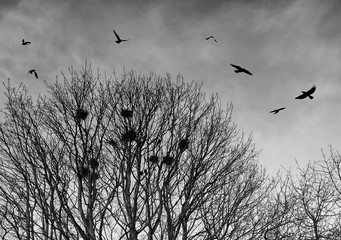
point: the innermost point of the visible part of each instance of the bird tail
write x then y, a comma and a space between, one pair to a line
311, 97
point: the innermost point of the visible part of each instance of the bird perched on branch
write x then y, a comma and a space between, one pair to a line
33, 71
119, 40
277, 110
25, 43
307, 93
240, 69
211, 37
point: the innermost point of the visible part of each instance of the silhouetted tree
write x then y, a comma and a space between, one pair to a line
306, 208
279, 210
88, 160
237, 210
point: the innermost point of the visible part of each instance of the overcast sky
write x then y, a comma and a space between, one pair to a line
289, 46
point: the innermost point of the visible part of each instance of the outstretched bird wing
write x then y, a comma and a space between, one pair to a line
311, 90
118, 37
235, 66
36, 74
246, 71
302, 96
211, 37
277, 110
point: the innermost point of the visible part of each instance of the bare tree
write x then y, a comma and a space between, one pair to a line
279, 210
235, 211
331, 166
135, 156
317, 200
306, 208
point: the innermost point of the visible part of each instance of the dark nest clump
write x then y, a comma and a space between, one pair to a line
154, 159
94, 163
168, 160
81, 114
144, 172
183, 144
129, 136
126, 113
112, 142
84, 171
96, 175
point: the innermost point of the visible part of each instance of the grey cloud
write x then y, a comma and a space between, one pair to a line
329, 28
5, 5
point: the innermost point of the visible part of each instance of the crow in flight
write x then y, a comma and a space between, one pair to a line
277, 110
240, 69
33, 71
307, 93
25, 43
211, 37
119, 40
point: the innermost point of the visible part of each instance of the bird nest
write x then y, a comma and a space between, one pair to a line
81, 114
154, 159
84, 171
168, 160
183, 144
95, 175
112, 142
129, 136
94, 163
126, 113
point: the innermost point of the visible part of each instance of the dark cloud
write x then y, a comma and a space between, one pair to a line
329, 28
5, 5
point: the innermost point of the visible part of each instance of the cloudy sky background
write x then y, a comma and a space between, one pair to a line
289, 45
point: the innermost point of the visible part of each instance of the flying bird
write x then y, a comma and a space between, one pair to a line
25, 43
33, 71
277, 110
240, 69
307, 93
119, 40
211, 37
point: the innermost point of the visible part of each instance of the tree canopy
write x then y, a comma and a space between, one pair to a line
132, 157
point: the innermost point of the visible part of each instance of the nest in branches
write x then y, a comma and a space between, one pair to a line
154, 159
94, 163
183, 144
81, 114
129, 136
112, 142
95, 175
126, 113
84, 171
168, 160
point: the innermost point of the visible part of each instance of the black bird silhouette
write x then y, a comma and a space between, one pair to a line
277, 110
307, 93
33, 71
119, 40
211, 37
240, 69
25, 43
